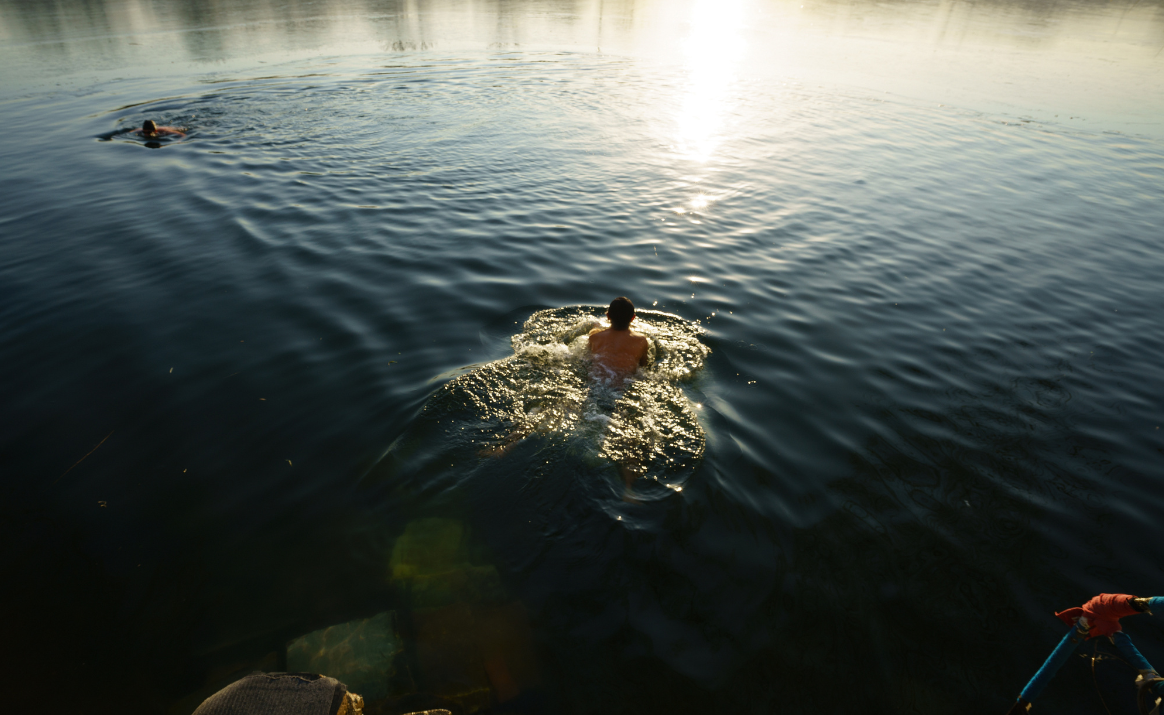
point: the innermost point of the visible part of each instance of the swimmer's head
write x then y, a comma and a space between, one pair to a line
149, 127
621, 312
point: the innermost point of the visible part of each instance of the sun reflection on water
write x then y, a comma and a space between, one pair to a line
711, 53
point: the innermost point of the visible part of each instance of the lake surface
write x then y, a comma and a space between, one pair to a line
921, 241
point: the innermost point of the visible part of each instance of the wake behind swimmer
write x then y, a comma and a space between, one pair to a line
612, 387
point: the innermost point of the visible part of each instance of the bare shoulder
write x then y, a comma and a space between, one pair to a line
595, 331
644, 348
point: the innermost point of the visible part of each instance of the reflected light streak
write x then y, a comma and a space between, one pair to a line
711, 53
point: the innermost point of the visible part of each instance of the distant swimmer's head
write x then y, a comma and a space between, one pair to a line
149, 127
621, 312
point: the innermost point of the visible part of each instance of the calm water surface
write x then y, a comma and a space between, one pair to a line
922, 242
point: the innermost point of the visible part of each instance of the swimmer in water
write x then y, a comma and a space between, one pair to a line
150, 130
618, 350
616, 354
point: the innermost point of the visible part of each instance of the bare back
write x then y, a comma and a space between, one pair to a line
620, 351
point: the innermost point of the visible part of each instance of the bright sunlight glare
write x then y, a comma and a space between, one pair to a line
711, 53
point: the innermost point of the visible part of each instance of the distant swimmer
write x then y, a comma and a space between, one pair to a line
617, 349
150, 130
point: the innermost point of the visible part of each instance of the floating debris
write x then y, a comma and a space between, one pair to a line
82, 459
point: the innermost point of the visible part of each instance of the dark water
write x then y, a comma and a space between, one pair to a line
931, 407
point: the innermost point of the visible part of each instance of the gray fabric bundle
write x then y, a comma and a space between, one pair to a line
277, 694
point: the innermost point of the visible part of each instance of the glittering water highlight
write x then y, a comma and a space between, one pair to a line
551, 388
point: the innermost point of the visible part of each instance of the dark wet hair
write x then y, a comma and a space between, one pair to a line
620, 312
149, 127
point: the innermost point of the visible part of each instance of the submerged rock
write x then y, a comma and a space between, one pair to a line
361, 654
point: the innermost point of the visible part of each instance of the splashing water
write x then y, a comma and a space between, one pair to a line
549, 387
